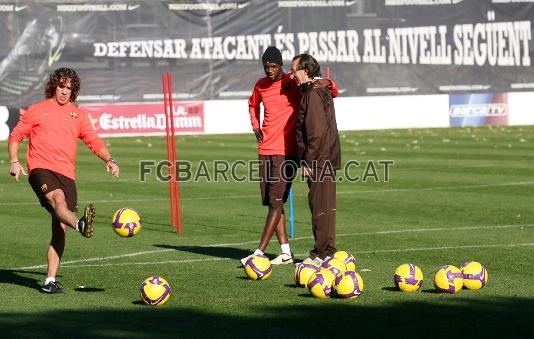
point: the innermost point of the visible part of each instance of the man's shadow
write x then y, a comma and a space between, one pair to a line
213, 251
13, 277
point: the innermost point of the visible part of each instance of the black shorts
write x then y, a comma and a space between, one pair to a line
276, 173
44, 181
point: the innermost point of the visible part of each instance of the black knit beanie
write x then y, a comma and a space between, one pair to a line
272, 55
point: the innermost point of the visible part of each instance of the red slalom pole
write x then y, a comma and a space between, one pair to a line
166, 80
168, 143
173, 150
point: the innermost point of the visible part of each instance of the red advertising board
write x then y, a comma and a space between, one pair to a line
126, 119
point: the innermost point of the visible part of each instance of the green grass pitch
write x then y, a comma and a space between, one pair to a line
453, 195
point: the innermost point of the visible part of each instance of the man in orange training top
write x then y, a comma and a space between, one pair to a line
277, 145
54, 126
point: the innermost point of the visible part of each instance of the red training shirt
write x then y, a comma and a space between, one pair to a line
54, 131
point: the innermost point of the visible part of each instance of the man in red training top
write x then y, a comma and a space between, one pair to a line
277, 145
54, 126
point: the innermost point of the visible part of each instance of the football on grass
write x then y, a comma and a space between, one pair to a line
334, 265
320, 283
348, 285
408, 278
126, 222
155, 291
448, 279
475, 275
258, 267
303, 272
347, 258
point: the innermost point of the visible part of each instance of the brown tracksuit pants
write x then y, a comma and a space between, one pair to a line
322, 202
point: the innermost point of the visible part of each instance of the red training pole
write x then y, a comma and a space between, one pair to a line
171, 146
167, 141
173, 150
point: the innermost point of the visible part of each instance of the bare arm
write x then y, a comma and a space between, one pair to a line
15, 168
111, 165
97, 145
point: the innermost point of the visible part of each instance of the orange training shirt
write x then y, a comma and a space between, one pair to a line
54, 131
280, 100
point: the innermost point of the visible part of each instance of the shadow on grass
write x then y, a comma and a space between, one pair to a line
466, 318
168, 228
89, 289
15, 277
213, 251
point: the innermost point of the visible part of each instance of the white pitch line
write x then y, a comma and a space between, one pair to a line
98, 258
221, 197
442, 248
184, 261
413, 230
134, 254
166, 262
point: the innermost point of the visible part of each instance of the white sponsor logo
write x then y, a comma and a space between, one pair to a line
20, 8
480, 110
421, 2
94, 7
6, 8
108, 122
159, 96
104, 97
227, 94
510, 1
207, 6
4, 128
463, 88
132, 7
391, 89
522, 85
144, 121
315, 3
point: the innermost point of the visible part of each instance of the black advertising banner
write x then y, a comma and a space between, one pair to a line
213, 48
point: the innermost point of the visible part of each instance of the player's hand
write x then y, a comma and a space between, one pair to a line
322, 83
259, 135
15, 169
113, 167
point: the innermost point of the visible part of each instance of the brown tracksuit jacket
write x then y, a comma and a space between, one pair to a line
319, 149
317, 135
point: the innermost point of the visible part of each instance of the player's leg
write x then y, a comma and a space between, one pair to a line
284, 172
56, 200
285, 257
281, 233
273, 216
322, 204
288, 170
330, 200
276, 184
54, 254
314, 204
271, 223
269, 179
58, 195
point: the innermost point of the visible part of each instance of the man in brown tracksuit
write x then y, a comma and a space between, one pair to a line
319, 153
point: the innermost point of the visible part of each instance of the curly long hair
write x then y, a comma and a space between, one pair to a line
60, 75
